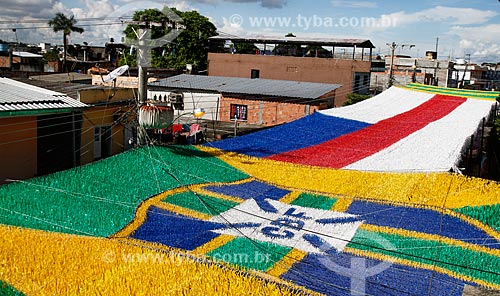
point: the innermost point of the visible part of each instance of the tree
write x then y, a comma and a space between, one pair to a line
190, 47
62, 23
50, 55
245, 48
355, 98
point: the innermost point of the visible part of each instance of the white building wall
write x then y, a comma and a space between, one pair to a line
192, 101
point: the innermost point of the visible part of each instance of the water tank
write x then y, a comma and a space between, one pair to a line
151, 116
4, 48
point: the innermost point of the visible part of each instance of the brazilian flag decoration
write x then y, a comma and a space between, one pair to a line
239, 217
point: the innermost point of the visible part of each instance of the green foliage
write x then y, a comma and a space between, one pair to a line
128, 59
51, 56
67, 25
101, 198
61, 22
190, 47
284, 49
245, 48
355, 98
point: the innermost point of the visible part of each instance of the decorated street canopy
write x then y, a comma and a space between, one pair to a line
401, 129
321, 210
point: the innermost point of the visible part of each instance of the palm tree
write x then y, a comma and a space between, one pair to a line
62, 23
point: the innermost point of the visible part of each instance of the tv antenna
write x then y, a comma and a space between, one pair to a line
113, 75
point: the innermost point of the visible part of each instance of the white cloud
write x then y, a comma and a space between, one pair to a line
113, 14
230, 27
481, 42
442, 14
354, 4
26, 8
20, 11
263, 3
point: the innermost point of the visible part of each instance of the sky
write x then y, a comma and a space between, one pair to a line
463, 27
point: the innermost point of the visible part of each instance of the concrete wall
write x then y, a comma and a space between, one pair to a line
193, 100
99, 117
122, 81
18, 148
336, 71
265, 113
403, 72
99, 95
22, 64
102, 116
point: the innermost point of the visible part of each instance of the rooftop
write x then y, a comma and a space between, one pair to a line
335, 42
17, 97
64, 77
247, 86
25, 54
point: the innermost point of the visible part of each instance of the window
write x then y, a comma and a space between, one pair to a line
255, 74
238, 112
361, 83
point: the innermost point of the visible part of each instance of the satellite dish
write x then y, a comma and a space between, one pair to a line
115, 73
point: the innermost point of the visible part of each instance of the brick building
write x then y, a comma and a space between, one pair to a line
406, 69
39, 131
320, 60
254, 101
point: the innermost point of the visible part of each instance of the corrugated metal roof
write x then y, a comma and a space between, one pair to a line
264, 87
18, 96
63, 77
25, 54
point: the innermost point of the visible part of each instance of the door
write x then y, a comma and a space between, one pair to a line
102, 142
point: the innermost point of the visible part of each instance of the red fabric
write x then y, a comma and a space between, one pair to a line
349, 148
176, 128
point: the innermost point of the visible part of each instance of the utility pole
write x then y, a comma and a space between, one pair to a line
143, 61
144, 45
436, 66
461, 84
392, 47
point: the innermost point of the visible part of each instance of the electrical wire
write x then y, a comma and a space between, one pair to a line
211, 209
278, 99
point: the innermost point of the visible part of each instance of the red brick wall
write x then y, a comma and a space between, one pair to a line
273, 113
336, 71
4, 62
